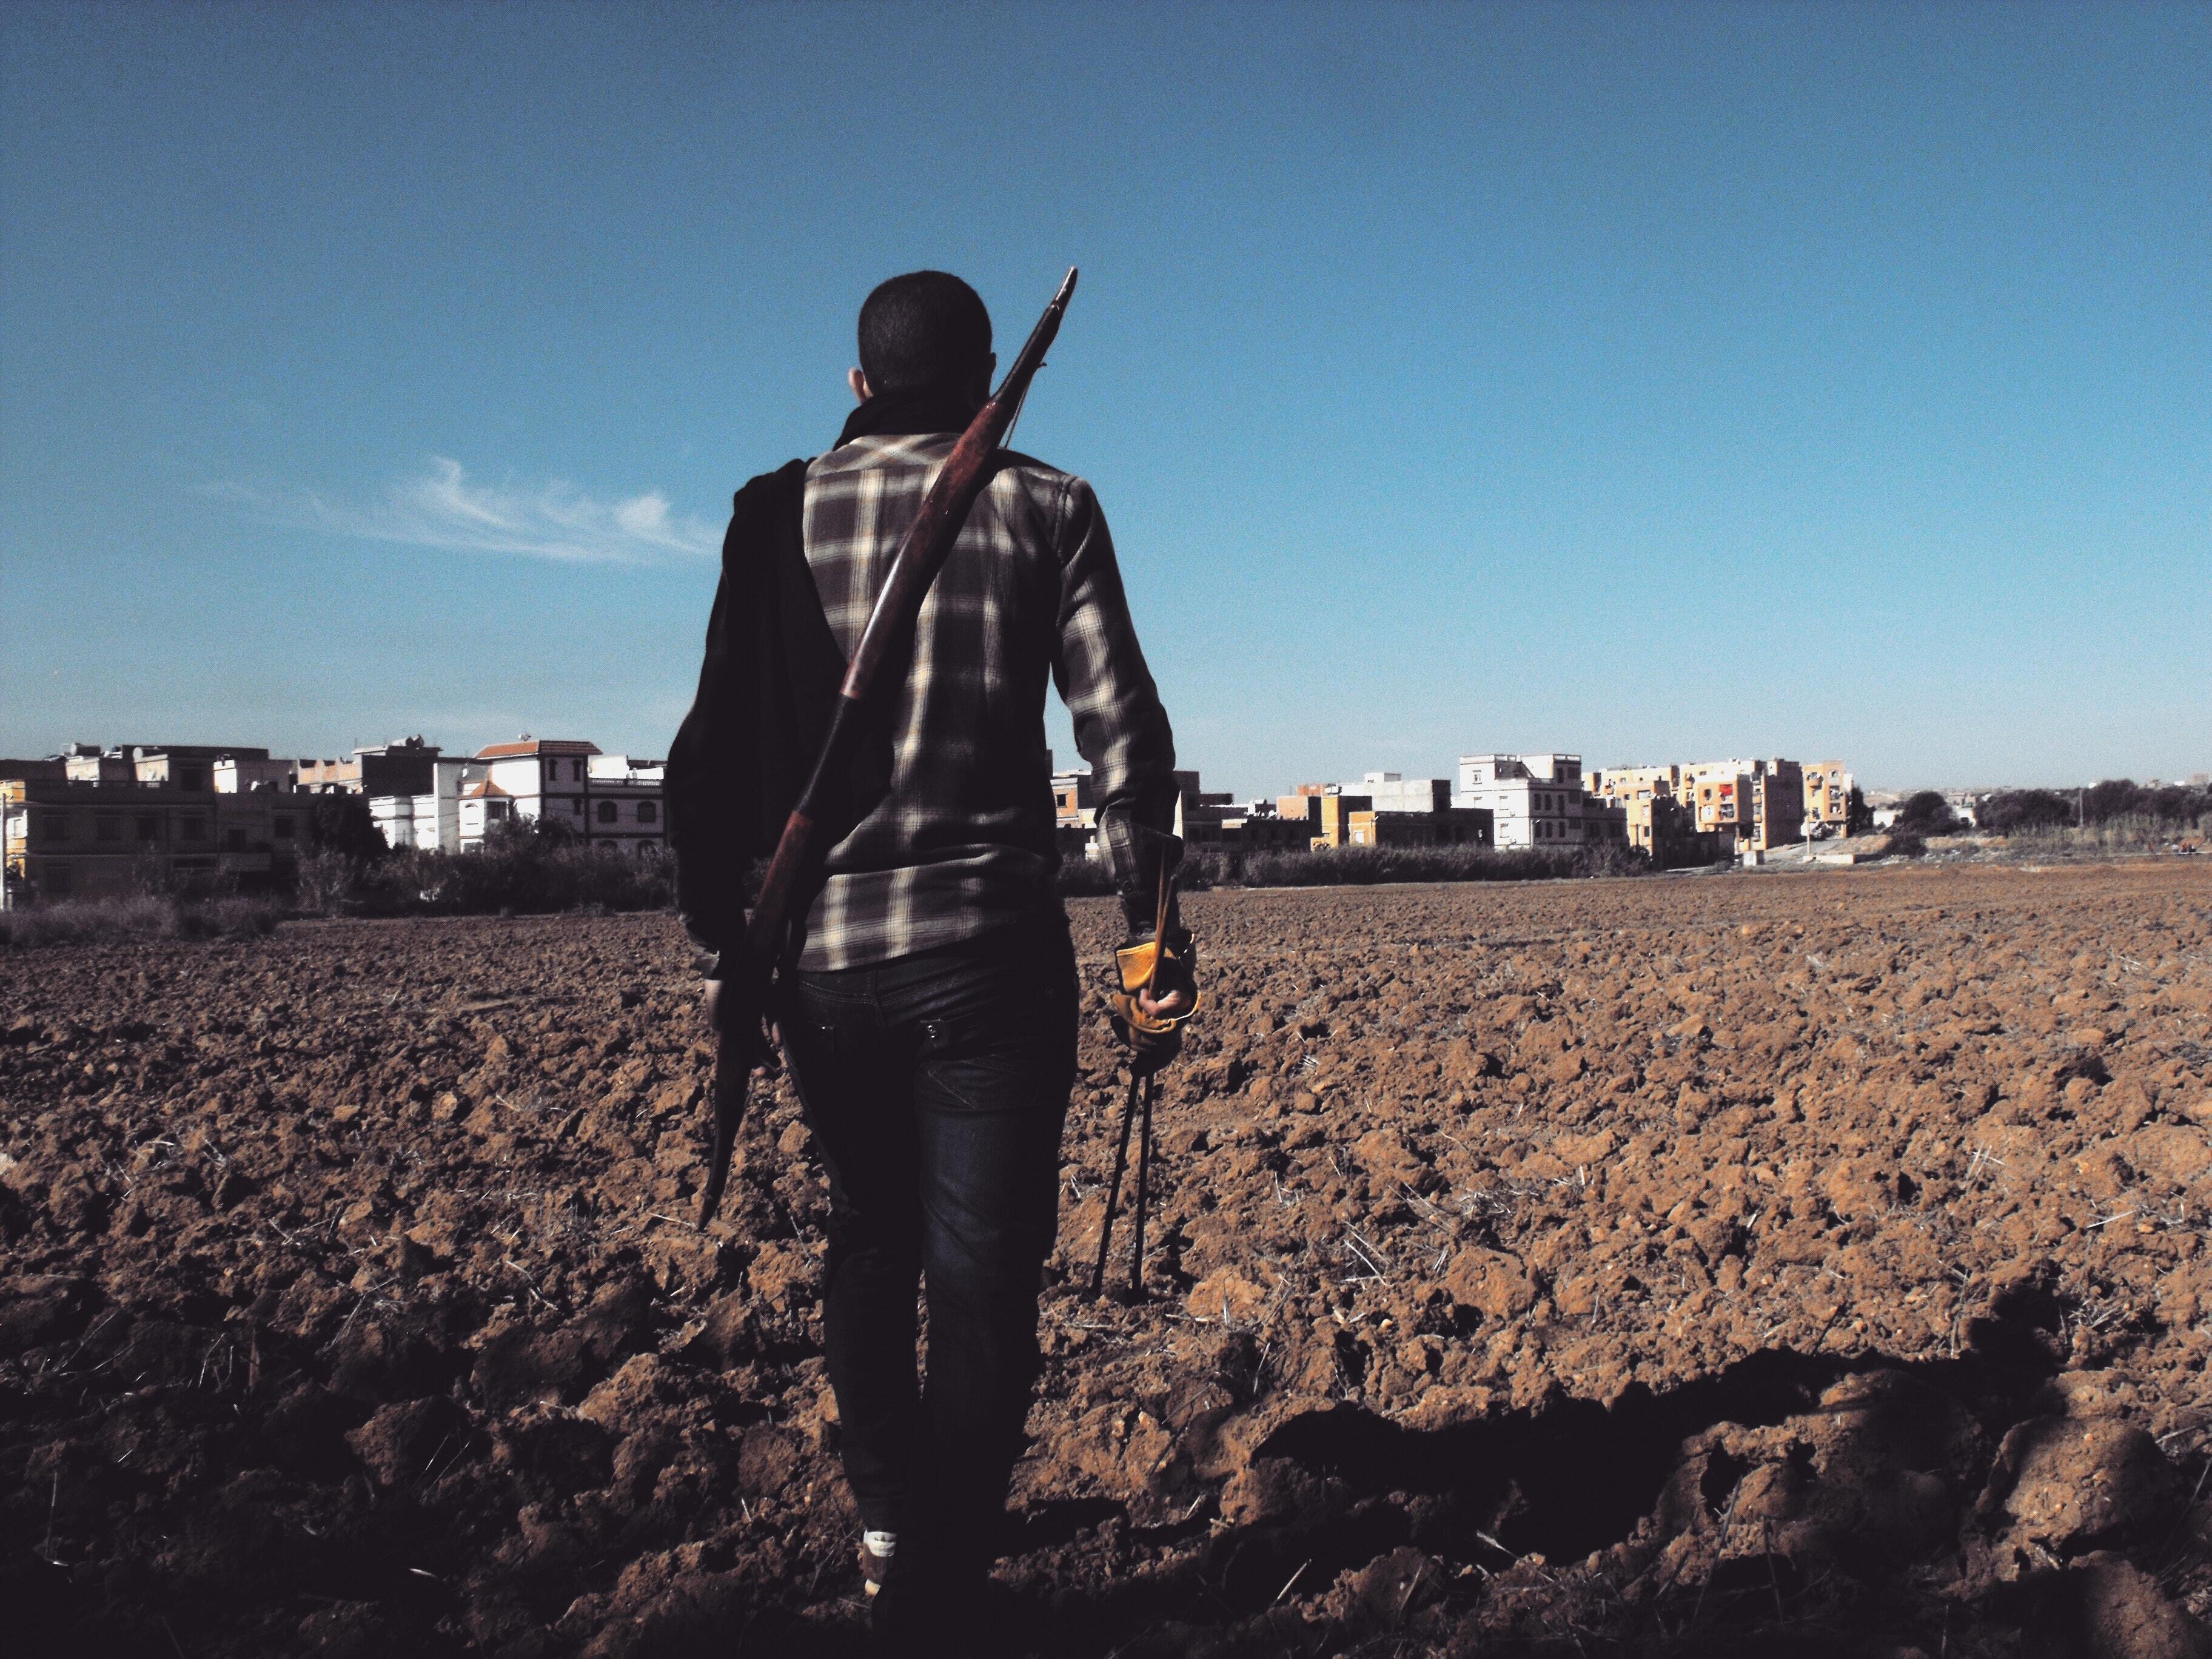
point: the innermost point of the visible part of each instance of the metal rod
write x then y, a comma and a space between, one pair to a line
1113, 1192
1144, 1174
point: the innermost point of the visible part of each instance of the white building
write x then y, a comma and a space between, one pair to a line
1391, 791
545, 779
627, 804
241, 774
483, 807
612, 800
1537, 801
431, 821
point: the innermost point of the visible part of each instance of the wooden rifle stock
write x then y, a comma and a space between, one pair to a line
799, 851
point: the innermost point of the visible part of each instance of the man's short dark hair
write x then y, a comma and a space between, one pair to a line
926, 328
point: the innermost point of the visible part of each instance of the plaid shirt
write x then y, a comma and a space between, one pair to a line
963, 840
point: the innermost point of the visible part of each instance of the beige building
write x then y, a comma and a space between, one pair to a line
1778, 804
1452, 826
1828, 786
1622, 784
1332, 818
67, 839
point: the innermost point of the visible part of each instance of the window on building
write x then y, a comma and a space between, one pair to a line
281, 827
150, 828
648, 812
609, 812
578, 803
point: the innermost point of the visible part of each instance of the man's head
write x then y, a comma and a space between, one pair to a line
927, 329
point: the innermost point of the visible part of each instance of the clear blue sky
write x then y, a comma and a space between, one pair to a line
1654, 383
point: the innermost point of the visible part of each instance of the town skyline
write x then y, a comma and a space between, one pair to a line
1066, 760
1819, 380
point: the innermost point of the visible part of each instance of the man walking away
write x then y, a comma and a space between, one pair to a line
929, 1011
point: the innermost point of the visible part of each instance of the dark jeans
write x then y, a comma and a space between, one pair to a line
935, 1085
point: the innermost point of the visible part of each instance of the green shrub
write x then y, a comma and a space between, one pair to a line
1926, 813
2010, 811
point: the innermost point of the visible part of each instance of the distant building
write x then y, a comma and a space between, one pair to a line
1623, 784
1074, 799
88, 762
482, 808
102, 836
1392, 793
1537, 801
406, 768
1966, 805
1451, 826
612, 800
1828, 786
547, 779
1201, 815
428, 819
628, 803
241, 774
1332, 818
1659, 821
189, 766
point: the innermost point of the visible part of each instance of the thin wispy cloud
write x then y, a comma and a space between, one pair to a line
443, 508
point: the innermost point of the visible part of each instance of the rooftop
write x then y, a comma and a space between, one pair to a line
526, 744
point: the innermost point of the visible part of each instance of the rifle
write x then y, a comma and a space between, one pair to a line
792, 872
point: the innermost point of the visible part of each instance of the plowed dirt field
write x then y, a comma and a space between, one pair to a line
1701, 1266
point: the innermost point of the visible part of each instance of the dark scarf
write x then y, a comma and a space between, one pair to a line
916, 409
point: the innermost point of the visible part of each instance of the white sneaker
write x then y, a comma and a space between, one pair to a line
877, 1549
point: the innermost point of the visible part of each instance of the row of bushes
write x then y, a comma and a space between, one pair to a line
1369, 867
2114, 836
520, 870
140, 915
2115, 802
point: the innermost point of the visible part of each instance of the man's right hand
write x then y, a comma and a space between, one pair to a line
1154, 990
765, 1039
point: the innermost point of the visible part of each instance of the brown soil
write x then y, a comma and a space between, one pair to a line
1688, 1266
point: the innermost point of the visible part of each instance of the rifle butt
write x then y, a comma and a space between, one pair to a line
732, 1079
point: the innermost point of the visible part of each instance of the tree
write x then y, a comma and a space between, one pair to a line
1858, 816
340, 823
2114, 798
2009, 810
1926, 813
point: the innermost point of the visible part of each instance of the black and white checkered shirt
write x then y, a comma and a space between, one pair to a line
963, 840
